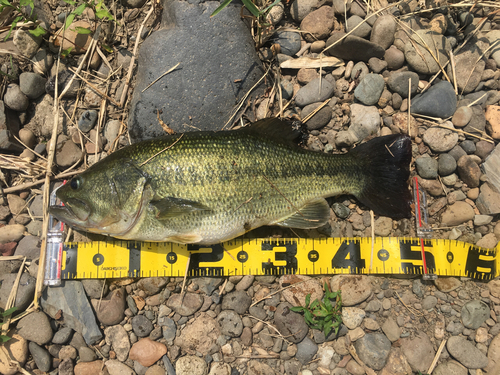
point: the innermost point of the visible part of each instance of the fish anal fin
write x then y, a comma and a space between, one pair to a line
170, 207
313, 214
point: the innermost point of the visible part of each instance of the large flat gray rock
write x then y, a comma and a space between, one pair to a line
218, 65
77, 313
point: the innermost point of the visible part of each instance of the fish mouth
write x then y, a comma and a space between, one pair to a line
74, 212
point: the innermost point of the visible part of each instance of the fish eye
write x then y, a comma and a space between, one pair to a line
76, 183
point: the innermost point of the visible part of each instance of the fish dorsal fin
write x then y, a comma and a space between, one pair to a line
170, 207
314, 214
275, 129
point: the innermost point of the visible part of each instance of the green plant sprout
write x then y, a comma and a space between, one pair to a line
3, 318
323, 315
98, 7
259, 14
18, 8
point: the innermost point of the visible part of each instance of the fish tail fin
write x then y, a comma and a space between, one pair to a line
386, 161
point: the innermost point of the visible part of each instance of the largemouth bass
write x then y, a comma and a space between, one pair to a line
209, 187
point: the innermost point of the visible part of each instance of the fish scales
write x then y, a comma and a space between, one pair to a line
244, 180
204, 187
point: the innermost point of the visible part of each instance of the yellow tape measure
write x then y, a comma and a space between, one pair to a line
388, 255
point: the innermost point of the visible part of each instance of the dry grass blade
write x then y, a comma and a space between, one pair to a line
242, 101
474, 65
436, 357
464, 132
453, 71
159, 152
477, 100
410, 308
160, 77
273, 327
23, 166
134, 54
28, 185
99, 92
33, 151
308, 117
422, 42
12, 296
278, 291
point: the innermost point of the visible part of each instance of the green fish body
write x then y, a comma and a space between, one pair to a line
209, 187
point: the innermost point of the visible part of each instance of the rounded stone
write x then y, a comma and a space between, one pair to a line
438, 101
362, 31
289, 323
462, 116
446, 164
313, 92
230, 323
306, 349
418, 56
373, 349
238, 301
320, 118
352, 316
15, 99
87, 120
429, 302
289, 42
186, 305
394, 58
365, 121
301, 8
440, 139
305, 285
62, 336
355, 289
191, 365
147, 352
474, 314
359, 71
469, 171
458, 213
383, 31
468, 146
35, 327
41, 357
377, 65
370, 89
466, 353
318, 24
141, 325
402, 82
427, 167
32, 84
341, 210
25, 291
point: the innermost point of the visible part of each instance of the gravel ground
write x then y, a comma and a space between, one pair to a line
243, 325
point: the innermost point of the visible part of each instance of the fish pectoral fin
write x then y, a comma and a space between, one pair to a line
170, 207
313, 214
